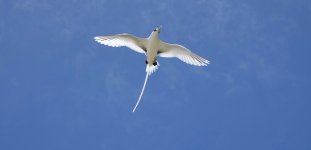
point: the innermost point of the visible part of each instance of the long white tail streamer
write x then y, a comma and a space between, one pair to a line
142, 91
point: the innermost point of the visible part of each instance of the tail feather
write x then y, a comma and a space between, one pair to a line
141, 93
151, 68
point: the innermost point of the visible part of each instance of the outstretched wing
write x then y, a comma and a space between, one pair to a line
135, 43
182, 53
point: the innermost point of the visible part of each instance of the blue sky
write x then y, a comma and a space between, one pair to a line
61, 90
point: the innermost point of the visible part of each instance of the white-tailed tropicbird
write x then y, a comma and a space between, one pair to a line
152, 47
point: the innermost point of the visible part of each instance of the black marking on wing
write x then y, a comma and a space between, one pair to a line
144, 49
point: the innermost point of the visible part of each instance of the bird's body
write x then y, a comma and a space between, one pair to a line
152, 47
153, 43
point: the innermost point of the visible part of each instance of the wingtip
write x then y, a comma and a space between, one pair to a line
203, 63
99, 40
207, 62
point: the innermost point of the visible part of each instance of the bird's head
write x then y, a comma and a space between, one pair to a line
158, 29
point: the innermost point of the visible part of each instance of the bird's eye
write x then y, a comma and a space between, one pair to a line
155, 30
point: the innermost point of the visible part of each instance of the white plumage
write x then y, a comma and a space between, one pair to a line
152, 47
127, 40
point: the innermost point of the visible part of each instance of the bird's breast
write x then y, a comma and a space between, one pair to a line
152, 51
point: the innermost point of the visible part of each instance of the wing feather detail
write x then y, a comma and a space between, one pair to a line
135, 43
182, 53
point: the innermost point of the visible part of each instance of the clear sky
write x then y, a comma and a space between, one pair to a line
60, 90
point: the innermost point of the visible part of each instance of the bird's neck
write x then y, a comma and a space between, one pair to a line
154, 36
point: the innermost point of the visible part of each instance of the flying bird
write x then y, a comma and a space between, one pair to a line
152, 47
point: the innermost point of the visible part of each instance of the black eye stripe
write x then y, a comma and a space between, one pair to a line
155, 30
